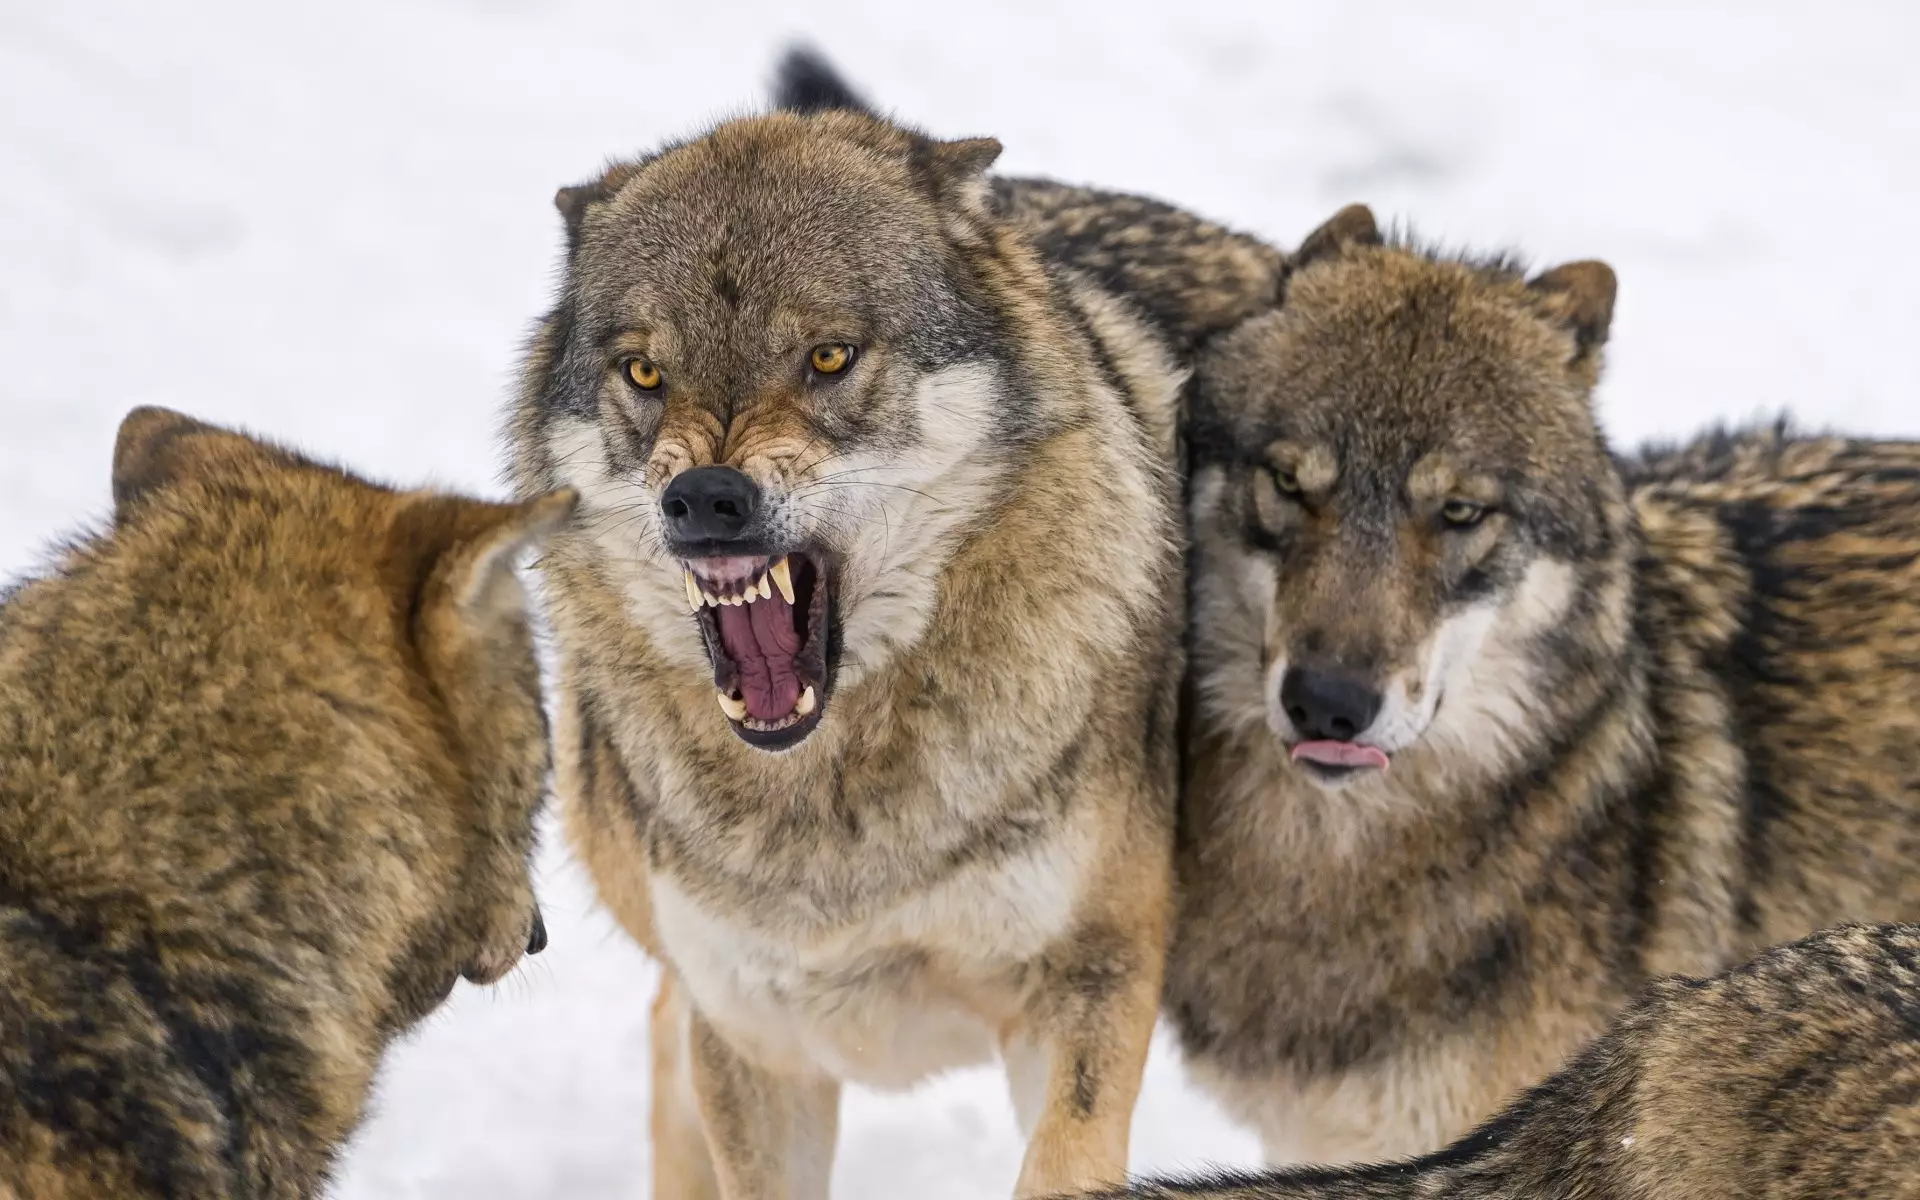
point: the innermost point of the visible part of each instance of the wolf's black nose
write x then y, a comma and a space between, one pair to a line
1325, 706
537, 939
709, 504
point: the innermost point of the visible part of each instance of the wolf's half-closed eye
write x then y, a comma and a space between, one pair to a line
1463, 514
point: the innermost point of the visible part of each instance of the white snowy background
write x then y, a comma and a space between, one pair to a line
332, 223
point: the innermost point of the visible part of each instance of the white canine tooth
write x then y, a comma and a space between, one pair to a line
782, 576
735, 709
804, 706
693, 593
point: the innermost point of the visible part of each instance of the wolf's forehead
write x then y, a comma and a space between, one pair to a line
768, 213
1365, 449
701, 267
1395, 396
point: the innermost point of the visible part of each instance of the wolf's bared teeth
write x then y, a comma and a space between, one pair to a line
804, 706
735, 709
782, 575
760, 726
713, 601
759, 589
693, 593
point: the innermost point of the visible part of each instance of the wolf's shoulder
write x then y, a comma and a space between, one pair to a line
1192, 277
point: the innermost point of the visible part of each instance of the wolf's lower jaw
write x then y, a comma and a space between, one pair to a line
736, 710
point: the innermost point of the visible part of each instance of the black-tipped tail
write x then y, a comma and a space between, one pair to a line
805, 82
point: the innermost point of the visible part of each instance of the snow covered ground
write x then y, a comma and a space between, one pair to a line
332, 223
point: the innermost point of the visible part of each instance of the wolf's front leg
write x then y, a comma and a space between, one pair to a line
771, 1135
1076, 1057
682, 1164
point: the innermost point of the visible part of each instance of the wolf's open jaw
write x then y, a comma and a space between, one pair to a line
766, 628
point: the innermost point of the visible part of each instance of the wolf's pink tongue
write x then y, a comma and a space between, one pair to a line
1341, 754
761, 640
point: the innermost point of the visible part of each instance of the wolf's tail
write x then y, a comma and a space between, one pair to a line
805, 82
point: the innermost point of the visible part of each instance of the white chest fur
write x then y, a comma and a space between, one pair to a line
911, 990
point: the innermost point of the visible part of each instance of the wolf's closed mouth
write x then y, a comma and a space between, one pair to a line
765, 625
1338, 760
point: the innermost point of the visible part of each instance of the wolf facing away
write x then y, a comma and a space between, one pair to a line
1491, 726
270, 753
1795, 1076
869, 636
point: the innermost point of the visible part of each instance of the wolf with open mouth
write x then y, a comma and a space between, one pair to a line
869, 639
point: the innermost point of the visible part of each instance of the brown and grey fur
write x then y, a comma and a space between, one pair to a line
1191, 277
1646, 717
972, 850
1795, 1076
270, 753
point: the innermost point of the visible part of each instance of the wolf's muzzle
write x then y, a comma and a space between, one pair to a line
1331, 711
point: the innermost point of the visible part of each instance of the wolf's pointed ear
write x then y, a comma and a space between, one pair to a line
573, 202
965, 159
1351, 226
1580, 295
468, 547
958, 170
805, 82
147, 453
576, 201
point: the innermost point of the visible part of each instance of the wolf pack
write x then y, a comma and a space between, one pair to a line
989, 617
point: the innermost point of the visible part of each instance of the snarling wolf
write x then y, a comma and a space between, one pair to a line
869, 638
1491, 725
1795, 1076
270, 753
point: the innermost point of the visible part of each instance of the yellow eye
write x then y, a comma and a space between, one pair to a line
643, 374
1463, 513
1286, 481
831, 358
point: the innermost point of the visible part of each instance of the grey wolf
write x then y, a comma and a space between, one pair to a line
1492, 725
869, 633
